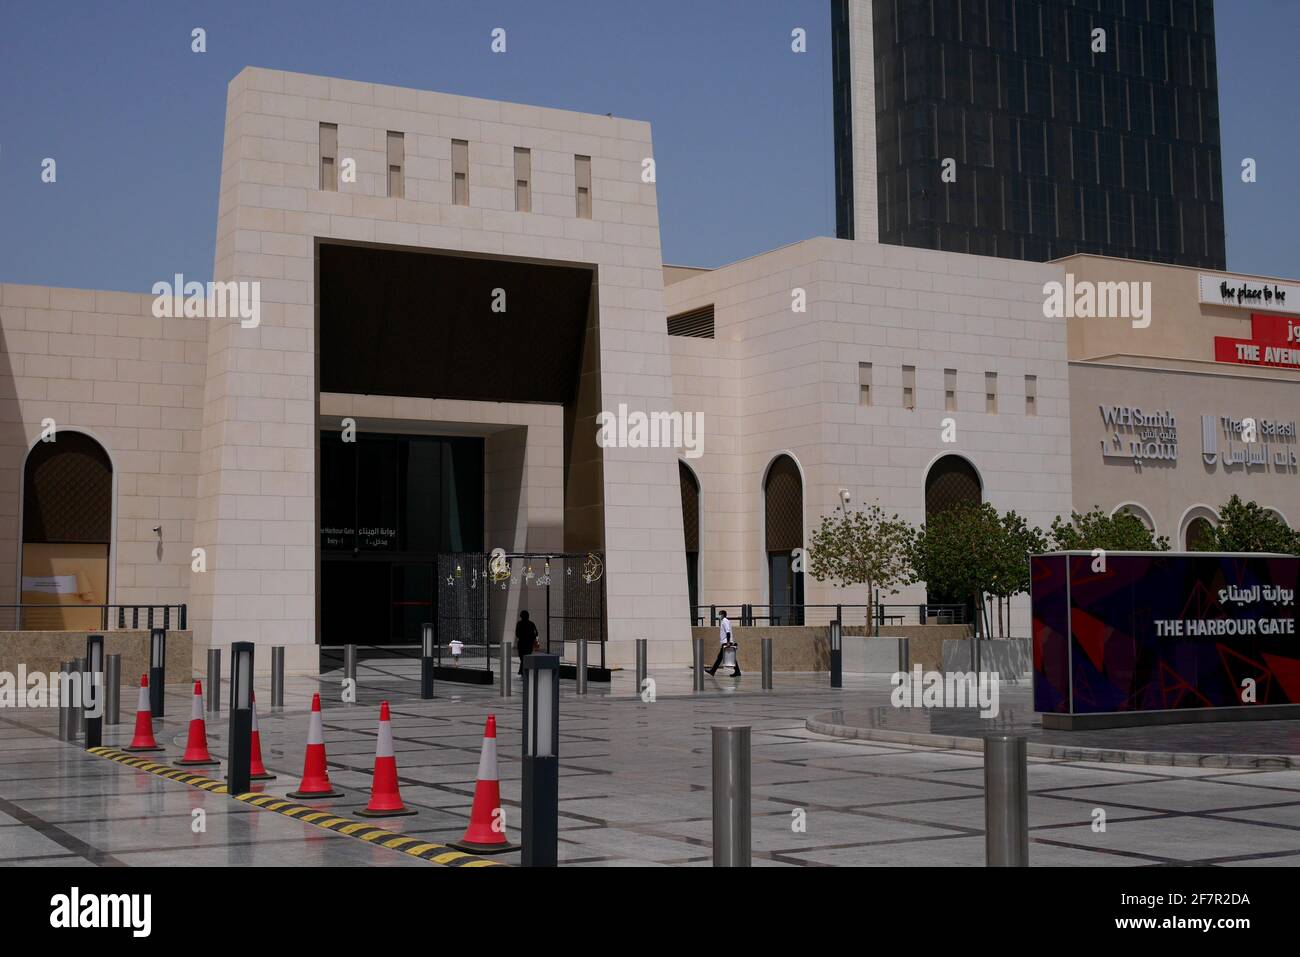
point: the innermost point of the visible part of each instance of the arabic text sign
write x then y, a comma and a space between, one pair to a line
1160, 631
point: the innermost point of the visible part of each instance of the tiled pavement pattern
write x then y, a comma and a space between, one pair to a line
634, 786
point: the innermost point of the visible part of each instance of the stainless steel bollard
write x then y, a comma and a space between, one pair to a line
112, 688
642, 645
767, 664
214, 680
580, 685
277, 676
77, 717
350, 663
1006, 801
698, 652
731, 796
65, 712
904, 655
507, 648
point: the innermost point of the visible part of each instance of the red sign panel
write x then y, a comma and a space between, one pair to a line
1274, 341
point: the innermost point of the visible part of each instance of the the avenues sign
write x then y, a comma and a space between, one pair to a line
1274, 341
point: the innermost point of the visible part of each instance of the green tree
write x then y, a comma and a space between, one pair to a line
1095, 529
961, 551
1017, 541
861, 547
1245, 527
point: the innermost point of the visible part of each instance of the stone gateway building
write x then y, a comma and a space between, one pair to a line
438, 304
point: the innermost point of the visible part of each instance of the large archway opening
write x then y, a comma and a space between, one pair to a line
783, 533
67, 533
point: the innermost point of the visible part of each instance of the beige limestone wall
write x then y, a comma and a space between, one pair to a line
255, 477
1182, 327
788, 382
101, 363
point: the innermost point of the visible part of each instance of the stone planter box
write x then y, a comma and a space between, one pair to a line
44, 650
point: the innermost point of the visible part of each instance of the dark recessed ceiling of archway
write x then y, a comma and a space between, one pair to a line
394, 322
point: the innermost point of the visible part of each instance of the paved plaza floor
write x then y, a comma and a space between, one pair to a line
634, 785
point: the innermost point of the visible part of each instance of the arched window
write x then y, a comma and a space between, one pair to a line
691, 531
783, 533
67, 530
1197, 525
952, 480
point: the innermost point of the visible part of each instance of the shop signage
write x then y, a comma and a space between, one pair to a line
1248, 443
1274, 341
1250, 293
1138, 435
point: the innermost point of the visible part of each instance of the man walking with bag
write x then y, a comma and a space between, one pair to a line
727, 643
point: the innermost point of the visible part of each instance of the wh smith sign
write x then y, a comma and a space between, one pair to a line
1274, 341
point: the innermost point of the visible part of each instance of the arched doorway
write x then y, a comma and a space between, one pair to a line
952, 480
691, 532
67, 532
783, 533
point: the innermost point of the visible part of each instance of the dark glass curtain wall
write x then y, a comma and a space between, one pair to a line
389, 505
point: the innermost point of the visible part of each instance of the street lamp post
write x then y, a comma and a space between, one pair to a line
157, 669
241, 717
837, 656
95, 675
541, 771
426, 661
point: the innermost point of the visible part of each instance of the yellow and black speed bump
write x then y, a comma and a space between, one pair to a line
425, 850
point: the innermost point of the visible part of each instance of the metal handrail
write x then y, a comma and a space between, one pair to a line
744, 613
155, 615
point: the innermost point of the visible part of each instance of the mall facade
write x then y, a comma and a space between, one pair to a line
452, 298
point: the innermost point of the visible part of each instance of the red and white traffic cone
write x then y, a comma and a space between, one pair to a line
385, 801
256, 769
196, 746
315, 778
143, 739
486, 833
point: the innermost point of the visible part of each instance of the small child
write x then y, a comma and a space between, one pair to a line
457, 646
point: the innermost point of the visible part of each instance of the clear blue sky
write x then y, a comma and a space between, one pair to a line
741, 125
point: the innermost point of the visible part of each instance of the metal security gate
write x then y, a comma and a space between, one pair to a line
463, 604
565, 589
578, 610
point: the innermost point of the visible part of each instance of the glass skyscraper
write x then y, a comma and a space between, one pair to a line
1034, 129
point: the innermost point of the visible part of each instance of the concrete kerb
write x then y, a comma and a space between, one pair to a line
1060, 752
